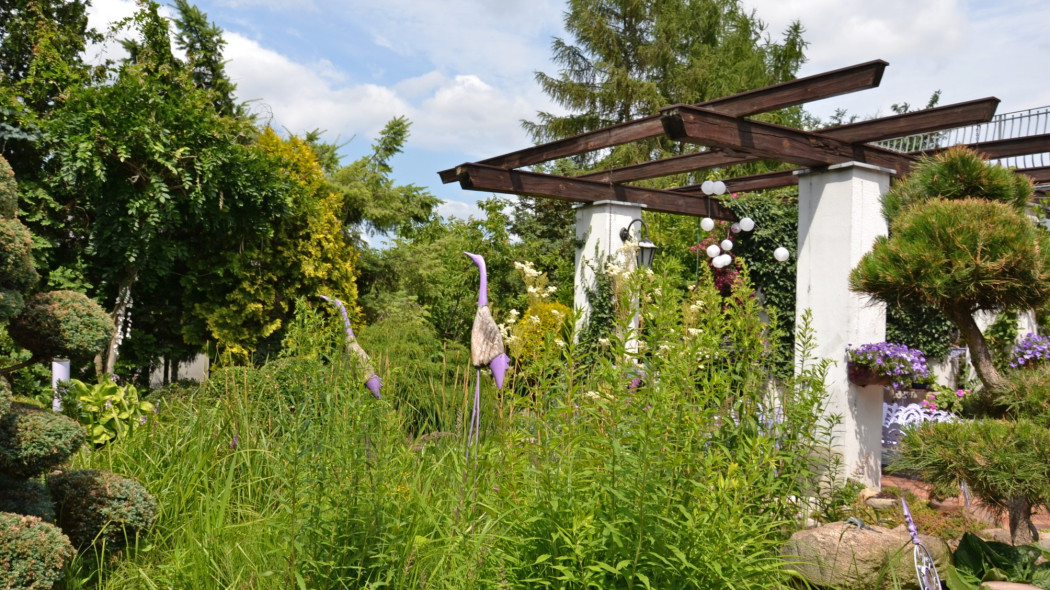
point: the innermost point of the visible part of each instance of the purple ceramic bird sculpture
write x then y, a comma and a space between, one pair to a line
372, 382
486, 348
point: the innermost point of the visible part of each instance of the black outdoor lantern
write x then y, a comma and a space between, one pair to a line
646, 248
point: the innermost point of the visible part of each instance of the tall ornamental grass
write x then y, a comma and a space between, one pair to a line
293, 476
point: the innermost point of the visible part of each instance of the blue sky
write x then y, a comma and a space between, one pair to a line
463, 70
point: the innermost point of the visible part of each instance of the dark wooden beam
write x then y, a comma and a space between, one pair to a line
1005, 148
480, 177
773, 142
755, 182
793, 92
936, 119
925, 121
768, 180
1040, 175
711, 158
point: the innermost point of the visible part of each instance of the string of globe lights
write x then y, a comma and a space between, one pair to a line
719, 253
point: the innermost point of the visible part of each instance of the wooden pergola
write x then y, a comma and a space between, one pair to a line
728, 136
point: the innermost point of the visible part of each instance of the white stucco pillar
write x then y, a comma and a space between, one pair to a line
839, 217
598, 227
59, 372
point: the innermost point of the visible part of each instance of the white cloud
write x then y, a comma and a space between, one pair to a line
459, 209
967, 48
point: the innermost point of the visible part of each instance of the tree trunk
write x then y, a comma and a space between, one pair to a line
980, 355
1022, 530
106, 361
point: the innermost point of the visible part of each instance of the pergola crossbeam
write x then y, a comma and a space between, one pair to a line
482, 177
790, 93
915, 122
773, 142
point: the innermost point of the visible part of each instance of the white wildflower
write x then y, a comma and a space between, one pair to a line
559, 342
534, 319
694, 331
557, 314
603, 341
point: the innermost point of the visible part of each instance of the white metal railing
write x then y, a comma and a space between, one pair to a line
1003, 126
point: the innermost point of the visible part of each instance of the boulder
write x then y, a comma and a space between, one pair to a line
841, 555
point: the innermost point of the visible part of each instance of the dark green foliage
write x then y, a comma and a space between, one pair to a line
978, 560
954, 175
5, 396
34, 441
1006, 464
28, 497
968, 255
62, 324
33, 553
16, 259
776, 225
1028, 395
101, 507
923, 327
627, 59
8, 191
1002, 336
406, 350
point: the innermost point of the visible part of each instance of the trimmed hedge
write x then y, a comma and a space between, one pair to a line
34, 441
27, 497
8, 191
101, 507
33, 553
62, 324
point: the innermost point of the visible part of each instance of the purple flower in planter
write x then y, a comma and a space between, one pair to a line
372, 381
901, 364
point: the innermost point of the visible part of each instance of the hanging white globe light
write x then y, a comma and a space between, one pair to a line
717, 262
727, 244
747, 224
735, 228
713, 250
781, 254
707, 224
708, 187
719, 187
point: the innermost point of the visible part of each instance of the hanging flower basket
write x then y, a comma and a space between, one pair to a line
864, 375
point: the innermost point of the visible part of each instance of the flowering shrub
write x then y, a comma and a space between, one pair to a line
902, 365
946, 399
1032, 350
524, 335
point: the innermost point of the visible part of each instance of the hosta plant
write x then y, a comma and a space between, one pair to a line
108, 411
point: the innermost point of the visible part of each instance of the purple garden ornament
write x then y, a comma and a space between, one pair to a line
925, 568
486, 349
373, 383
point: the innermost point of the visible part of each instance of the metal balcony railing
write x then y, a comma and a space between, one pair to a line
1003, 126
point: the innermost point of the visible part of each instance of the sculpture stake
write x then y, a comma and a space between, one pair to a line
372, 381
925, 568
486, 349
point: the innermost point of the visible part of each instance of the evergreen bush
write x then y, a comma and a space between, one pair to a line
28, 497
62, 324
34, 441
33, 553
101, 507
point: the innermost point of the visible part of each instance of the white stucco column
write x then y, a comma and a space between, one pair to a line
59, 372
839, 217
598, 227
